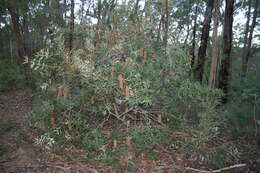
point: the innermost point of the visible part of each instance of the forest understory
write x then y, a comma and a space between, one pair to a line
20, 154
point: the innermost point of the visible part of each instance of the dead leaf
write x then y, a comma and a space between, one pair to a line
159, 118
65, 94
141, 52
92, 101
180, 156
114, 144
139, 27
72, 67
129, 27
59, 92
53, 121
129, 141
114, 20
126, 92
121, 81
116, 36
145, 54
113, 68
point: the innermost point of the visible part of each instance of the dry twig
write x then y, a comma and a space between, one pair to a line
218, 170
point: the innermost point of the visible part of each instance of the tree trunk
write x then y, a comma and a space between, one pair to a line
64, 12
192, 52
166, 23
82, 11
244, 64
227, 45
99, 12
57, 13
136, 7
160, 28
27, 37
188, 34
198, 71
215, 50
247, 45
71, 25
18, 36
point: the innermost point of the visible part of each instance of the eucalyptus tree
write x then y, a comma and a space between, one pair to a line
71, 27
215, 49
249, 34
16, 9
198, 70
226, 48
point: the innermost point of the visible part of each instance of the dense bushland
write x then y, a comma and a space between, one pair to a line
127, 77
126, 83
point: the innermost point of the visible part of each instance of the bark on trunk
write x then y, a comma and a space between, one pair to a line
215, 50
160, 28
99, 12
64, 12
18, 36
57, 13
136, 6
244, 66
227, 45
27, 38
247, 52
71, 25
166, 23
188, 34
192, 52
198, 71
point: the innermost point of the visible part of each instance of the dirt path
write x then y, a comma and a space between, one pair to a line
18, 152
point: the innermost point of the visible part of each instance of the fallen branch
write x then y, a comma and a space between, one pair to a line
118, 118
58, 167
218, 170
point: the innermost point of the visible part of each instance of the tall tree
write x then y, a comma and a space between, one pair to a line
72, 6
56, 13
166, 23
215, 49
26, 33
18, 36
198, 71
82, 11
248, 40
226, 46
136, 7
192, 52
